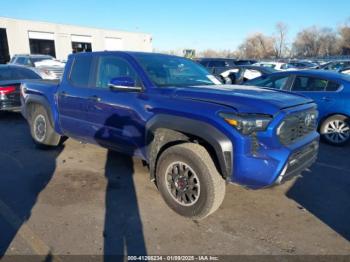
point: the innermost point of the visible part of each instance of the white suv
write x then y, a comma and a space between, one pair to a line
46, 66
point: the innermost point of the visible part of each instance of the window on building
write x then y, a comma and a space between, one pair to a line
4, 49
43, 47
78, 47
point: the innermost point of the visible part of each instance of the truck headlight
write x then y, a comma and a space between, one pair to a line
247, 123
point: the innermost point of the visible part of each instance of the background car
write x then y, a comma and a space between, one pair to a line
331, 92
216, 65
335, 65
345, 70
232, 71
245, 62
243, 73
46, 66
280, 66
11, 77
303, 64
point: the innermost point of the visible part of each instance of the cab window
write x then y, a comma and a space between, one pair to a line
81, 71
109, 67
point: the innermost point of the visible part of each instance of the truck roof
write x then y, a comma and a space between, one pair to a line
131, 53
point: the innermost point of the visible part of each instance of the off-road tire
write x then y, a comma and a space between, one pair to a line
212, 184
49, 137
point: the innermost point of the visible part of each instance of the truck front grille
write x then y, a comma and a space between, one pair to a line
57, 71
297, 126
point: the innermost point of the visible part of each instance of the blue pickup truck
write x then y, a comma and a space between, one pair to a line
195, 134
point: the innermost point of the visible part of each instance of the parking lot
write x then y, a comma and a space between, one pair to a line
82, 199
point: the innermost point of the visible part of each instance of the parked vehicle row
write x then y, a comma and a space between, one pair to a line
195, 133
334, 125
336, 65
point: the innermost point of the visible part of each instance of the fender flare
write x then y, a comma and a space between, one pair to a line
36, 99
221, 144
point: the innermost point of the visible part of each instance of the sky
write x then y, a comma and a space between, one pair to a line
178, 24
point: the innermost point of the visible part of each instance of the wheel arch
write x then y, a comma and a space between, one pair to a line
35, 100
164, 131
324, 118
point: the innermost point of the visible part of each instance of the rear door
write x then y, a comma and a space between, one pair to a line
73, 97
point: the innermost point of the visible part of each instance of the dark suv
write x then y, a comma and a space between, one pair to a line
217, 65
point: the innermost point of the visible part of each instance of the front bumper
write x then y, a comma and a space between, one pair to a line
298, 162
263, 160
275, 166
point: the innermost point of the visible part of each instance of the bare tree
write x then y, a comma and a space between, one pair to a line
280, 40
210, 53
257, 46
330, 44
344, 42
315, 42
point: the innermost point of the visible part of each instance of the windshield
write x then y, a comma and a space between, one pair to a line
39, 59
164, 71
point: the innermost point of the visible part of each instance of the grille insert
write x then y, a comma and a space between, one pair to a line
297, 126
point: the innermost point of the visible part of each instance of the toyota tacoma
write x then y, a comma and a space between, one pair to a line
195, 134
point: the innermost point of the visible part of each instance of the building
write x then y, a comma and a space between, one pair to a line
31, 37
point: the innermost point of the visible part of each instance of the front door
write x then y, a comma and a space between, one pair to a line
116, 117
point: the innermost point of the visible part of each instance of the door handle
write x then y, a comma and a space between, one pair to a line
327, 99
95, 98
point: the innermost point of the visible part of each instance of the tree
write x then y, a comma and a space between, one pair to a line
280, 44
315, 42
210, 53
330, 44
257, 46
344, 32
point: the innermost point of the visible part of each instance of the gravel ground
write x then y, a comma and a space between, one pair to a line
85, 200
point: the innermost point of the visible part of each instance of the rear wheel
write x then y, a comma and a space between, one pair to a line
335, 130
42, 130
189, 182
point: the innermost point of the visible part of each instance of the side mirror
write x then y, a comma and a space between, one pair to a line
124, 83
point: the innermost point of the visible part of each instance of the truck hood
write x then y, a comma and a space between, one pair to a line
244, 99
49, 63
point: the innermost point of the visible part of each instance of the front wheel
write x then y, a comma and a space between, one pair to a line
189, 181
335, 130
42, 130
